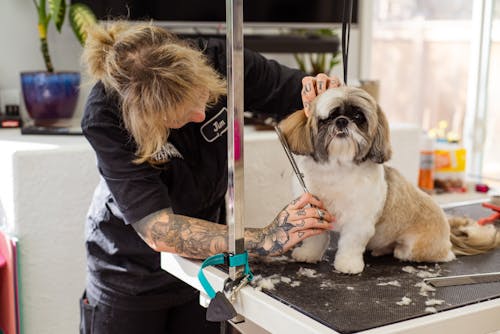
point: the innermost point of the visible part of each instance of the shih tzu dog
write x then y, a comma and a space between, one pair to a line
341, 150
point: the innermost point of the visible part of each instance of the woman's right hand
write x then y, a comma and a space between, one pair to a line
301, 219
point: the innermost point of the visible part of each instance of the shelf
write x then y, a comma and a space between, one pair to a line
282, 43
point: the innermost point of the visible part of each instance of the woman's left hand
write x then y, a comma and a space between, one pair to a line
314, 86
304, 217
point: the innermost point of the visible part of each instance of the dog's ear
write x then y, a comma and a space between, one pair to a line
297, 133
381, 150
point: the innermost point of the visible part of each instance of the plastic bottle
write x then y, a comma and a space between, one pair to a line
426, 167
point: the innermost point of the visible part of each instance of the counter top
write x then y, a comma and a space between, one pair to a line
14, 137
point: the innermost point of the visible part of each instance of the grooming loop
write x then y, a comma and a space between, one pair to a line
231, 288
220, 308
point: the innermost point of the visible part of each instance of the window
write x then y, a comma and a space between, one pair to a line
420, 53
491, 157
423, 53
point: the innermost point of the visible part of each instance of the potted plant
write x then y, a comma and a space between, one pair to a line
315, 63
50, 96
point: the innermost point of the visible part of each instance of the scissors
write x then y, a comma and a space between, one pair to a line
494, 216
289, 154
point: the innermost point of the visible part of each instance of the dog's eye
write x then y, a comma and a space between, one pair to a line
358, 117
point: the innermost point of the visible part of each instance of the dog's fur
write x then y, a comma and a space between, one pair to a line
342, 148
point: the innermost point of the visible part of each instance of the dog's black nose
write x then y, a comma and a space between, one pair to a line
341, 122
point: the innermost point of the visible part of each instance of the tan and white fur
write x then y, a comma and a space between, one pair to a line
341, 150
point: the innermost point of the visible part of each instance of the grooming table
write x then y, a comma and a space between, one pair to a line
313, 298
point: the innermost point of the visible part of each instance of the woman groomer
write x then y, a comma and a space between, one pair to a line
156, 119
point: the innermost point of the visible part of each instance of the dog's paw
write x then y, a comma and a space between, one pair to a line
303, 254
349, 264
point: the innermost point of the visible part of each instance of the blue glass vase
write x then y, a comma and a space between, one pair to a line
50, 98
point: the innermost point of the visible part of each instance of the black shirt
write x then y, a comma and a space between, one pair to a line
193, 182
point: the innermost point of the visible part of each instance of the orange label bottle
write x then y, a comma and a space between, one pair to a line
426, 171
427, 163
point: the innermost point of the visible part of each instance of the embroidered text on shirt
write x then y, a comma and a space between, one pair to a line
215, 126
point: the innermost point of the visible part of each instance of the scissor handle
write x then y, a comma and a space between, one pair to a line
489, 219
491, 206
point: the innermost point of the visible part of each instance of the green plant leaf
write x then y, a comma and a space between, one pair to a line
300, 61
318, 61
326, 32
57, 9
81, 17
334, 60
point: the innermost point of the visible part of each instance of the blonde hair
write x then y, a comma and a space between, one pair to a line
154, 74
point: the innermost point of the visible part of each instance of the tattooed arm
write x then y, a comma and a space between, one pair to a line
196, 238
190, 237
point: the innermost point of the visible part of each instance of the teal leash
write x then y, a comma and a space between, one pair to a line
220, 308
231, 260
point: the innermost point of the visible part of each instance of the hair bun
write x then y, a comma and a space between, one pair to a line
98, 45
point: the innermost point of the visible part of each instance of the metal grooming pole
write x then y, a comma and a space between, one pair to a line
235, 192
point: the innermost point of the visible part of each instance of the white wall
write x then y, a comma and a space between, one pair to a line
20, 49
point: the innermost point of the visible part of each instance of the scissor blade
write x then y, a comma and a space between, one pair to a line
289, 154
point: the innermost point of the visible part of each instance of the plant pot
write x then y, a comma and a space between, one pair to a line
50, 98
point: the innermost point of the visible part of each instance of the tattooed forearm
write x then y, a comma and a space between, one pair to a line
186, 236
197, 238
190, 237
270, 240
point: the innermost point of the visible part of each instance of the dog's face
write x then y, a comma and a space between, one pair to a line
346, 124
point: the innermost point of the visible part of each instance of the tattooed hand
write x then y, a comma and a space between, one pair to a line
294, 223
313, 86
